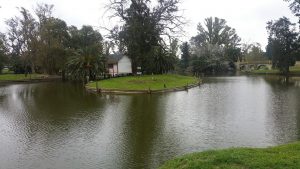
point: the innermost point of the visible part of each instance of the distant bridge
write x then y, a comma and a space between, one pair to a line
253, 65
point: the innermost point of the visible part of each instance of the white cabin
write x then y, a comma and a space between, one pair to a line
119, 65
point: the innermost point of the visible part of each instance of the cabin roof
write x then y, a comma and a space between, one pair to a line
114, 58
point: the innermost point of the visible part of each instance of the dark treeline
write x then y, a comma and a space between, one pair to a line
217, 46
38, 42
41, 43
284, 40
145, 31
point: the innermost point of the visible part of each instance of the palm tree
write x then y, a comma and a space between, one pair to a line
87, 61
86, 64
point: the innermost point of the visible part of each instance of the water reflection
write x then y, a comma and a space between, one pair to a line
284, 107
52, 125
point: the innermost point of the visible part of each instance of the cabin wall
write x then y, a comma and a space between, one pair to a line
113, 71
124, 66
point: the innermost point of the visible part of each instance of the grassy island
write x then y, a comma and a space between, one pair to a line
285, 156
152, 82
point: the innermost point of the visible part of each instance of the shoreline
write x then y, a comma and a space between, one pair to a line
119, 91
34, 80
271, 74
281, 156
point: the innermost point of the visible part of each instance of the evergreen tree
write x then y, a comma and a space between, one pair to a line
145, 28
185, 55
282, 46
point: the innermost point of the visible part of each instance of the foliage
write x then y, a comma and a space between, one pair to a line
53, 35
160, 61
37, 45
44, 44
174, 46
285, 156
145, 26
185, 55
87, 59
3, 52
200, 64
15, 44
215, 46
232, 54
255, 53
216, 32
154, 82
210, 57
295, 6
282, 46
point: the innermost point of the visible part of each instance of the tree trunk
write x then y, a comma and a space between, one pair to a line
63, 75
32, 68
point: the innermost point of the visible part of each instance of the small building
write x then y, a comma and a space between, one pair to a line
119, 65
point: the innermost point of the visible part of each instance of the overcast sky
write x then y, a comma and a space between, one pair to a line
248, 17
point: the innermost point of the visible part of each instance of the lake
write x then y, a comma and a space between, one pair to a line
60, 125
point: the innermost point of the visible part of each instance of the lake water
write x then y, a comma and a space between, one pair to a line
61, 126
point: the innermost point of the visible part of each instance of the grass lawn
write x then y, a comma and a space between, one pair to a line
18, 77
295, 70
272, 71
155, 82
7, 71
285, 156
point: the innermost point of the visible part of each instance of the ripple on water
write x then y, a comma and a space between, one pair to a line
59, 125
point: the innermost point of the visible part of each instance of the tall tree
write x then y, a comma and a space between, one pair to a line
215, 44
54, 39
15, 44
282, 46
28, 28
3, 52
48, 45
144, 29
87, 59
295, 6
174, 46
185, 55
216, 32
22, 37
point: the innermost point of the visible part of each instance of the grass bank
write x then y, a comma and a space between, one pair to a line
23, 78
285, 156
295, 70
154, 82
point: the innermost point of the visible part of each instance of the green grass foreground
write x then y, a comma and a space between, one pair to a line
154, 82
19, 77
285, 156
